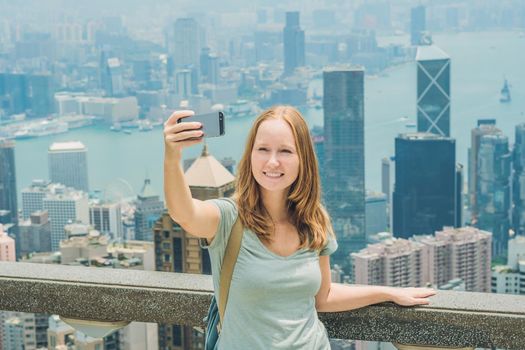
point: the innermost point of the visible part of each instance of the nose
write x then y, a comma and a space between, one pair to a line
273, 160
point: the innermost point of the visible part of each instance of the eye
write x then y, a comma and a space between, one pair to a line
262, 149
286, 151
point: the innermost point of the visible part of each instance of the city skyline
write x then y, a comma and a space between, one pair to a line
84, 94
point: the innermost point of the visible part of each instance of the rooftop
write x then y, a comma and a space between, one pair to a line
206, 171
430, 53
67, 146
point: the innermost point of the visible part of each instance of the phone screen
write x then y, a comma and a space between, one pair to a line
212, 123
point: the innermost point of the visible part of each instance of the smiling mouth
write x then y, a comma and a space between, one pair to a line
273, 175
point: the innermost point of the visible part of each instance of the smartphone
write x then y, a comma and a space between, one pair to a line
212, 123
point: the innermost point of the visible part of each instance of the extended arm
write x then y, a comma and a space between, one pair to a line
197, 217
333, 297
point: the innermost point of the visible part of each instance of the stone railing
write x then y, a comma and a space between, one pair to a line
452, 320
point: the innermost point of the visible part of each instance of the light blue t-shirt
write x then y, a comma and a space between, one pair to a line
271, 302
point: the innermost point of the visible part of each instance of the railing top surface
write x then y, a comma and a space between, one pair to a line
106, 276
105, 294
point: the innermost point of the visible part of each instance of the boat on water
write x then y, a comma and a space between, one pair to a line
115, 127
145, 125
241, 108
126, 131
505, 93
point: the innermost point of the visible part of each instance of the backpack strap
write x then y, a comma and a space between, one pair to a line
230, 258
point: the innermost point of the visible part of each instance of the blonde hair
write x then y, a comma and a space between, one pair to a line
307, 213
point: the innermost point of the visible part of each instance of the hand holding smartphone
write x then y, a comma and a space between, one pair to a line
212, 123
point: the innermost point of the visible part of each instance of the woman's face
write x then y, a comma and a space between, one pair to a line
274, 158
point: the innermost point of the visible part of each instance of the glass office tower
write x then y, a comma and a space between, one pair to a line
518, 183
425, 197
433, 90
493, 190
344, 192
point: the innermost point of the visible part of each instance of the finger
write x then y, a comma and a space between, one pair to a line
185, 135
188, 143
175, 116
169, 129
426, 293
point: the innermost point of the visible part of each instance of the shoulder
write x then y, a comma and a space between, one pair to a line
330, 246
228, 215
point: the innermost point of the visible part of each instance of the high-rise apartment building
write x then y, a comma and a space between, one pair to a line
7, 246
344, 191
493, 191
293, 39
67, 162
425, 200
393, 262
433, 90
459, 253
518, 181
177, 251
65, 205
448, 255
148, 210
417, 24
8, 199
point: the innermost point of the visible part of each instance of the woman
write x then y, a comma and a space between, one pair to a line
282, 276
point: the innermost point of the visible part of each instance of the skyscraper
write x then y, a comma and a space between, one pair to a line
106, 217
65, 205
178, 251
293, 39
8, 200
493, 190
184, 42
67, 162
433, 90
417, 24
33, 197
14, 93
345, 158
34, 235
485, 127
518, 181
425, 200
42, 91
149, 209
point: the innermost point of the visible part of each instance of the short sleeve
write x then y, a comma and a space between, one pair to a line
228, 215
330, 247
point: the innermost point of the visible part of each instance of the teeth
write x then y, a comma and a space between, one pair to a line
273, 174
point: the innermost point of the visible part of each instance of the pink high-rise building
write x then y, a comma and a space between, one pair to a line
7, 246
460, 253
451, 254
393, 262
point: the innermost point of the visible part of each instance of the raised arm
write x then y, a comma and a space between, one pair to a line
199, 218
